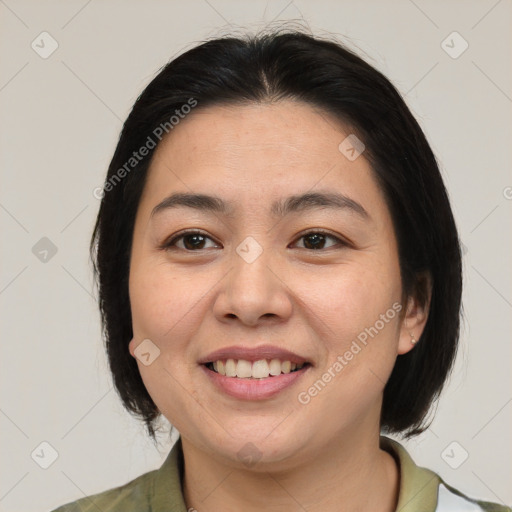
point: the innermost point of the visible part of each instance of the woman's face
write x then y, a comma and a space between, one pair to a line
267, 277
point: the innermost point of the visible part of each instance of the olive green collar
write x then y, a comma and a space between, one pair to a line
418, 486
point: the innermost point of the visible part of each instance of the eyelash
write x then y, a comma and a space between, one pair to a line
170, 243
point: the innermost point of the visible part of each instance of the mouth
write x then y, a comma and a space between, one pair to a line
254, 370
254, 380
254, 373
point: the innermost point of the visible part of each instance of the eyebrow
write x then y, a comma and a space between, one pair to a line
280, 208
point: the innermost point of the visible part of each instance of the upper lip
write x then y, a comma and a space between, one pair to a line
253, 354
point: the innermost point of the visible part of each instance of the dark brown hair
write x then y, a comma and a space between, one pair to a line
290, 64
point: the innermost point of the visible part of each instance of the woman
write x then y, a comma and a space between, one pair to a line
280, 277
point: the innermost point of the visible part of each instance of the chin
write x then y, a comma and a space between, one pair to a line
260, 448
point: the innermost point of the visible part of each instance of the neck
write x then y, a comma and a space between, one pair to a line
352, 475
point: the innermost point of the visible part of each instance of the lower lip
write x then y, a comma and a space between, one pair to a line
254, 389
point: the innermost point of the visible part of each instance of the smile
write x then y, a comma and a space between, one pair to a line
261, 369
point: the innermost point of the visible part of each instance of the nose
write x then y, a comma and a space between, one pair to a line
254, 292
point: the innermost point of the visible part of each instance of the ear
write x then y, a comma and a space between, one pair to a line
132, 347
416, 314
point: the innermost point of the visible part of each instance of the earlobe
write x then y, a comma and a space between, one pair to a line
131, 347
415, 319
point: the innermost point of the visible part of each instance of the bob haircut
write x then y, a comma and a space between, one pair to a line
266, 68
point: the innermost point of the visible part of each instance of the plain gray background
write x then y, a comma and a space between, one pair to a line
62, 114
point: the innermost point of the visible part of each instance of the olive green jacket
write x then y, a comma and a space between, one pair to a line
421, 490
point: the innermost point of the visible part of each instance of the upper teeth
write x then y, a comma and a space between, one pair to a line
258, 370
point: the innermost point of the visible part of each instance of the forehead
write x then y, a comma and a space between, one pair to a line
250, 153
286, 129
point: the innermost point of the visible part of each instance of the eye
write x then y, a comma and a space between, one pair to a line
192, 240
315, 240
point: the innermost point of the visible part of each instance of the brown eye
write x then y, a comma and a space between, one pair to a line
190, 241
316, 240
194, 241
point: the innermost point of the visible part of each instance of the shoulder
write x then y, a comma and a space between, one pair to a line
423, 489
450, 499
133, 496
159, 489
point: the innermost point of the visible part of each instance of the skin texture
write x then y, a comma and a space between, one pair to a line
323, 455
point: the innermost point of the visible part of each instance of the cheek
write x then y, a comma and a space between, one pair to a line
167, 310
360, 304
352, 299
362, 316
158, 300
